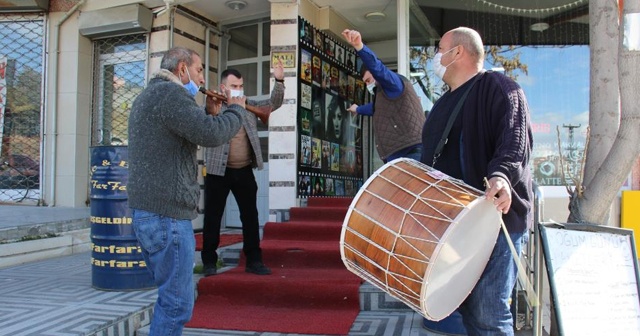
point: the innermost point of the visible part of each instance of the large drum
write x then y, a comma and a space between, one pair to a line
419, 235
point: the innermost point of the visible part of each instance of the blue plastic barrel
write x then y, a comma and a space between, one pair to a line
116, 260
450, 325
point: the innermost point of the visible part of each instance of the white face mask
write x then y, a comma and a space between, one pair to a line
438, 68
236, 93
371, 86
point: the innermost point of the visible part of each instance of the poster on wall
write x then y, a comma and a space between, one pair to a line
329, 138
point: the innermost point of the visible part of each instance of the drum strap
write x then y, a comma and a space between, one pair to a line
532, 296
445, 134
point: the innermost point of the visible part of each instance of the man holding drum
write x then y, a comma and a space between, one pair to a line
489, 138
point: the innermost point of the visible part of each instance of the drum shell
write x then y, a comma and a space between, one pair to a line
116, 259
398, 230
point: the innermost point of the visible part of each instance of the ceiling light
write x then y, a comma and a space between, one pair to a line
236, 5
375, 16
539, 26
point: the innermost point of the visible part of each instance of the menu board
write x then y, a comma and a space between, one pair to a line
593, 275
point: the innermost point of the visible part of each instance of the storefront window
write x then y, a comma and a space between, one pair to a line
21, 76
243, 42
555, 80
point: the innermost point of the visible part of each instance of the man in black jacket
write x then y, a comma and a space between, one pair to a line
490, 138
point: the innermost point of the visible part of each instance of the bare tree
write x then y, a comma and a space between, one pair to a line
614, 122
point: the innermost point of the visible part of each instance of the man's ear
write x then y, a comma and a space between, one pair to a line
180, 69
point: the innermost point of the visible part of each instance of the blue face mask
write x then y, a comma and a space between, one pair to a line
191, 87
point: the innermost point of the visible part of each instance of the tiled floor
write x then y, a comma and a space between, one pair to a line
55, 296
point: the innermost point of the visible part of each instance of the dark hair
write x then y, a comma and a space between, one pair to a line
228, 72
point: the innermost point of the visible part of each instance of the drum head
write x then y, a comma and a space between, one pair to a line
460, 258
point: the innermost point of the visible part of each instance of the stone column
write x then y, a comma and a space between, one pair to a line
283, 122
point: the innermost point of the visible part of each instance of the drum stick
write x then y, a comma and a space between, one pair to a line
532, 297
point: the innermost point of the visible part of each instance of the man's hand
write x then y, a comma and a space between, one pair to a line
354, 38
241, 100
278, 70
353, 109
214, 105
499, 191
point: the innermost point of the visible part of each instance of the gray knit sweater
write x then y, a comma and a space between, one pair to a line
165, 127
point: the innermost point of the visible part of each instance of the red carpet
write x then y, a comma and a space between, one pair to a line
226, 239
309, 292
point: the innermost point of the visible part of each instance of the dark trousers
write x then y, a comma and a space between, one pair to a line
242, 183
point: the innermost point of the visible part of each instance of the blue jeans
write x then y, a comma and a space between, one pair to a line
168, 248
487, 310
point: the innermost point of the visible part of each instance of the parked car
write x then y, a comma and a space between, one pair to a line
19, 172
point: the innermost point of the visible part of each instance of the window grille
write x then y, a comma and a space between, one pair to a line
119, 76
21, 87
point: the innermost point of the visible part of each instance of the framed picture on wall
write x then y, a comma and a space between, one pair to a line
305, 66
339, 54
305, 96
342, 84
335, 79
317, 70
326, 75
305, 150
351, 61
304, 185
329, 47
329, 187
305, 33
318, 39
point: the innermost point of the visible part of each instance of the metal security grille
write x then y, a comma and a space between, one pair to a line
21, 78
119, 76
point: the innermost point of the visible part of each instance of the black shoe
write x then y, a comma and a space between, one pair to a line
257, 268
208, 270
